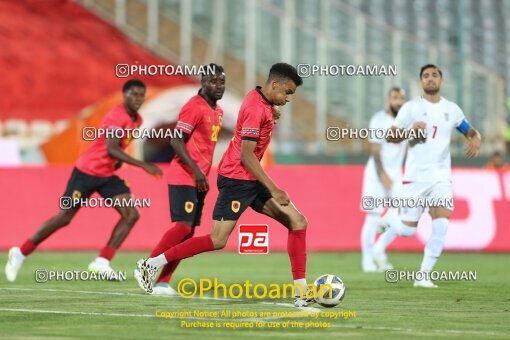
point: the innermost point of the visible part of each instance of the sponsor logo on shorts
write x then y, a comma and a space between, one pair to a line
236, 205
253, 239
188, 206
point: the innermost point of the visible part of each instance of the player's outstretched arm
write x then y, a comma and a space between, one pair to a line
115, 151
474, 138
251, 163
179, 146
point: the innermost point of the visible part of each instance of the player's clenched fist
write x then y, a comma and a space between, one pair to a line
419, 125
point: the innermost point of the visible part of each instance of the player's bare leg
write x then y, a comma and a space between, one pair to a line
128, 218
17, 255
297, 224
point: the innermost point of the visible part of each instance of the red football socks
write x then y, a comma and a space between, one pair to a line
108, 253
189, 248
169, 268
27, 248
296, 247
172, 237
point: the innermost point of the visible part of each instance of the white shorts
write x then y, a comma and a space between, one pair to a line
433, 192
374, 188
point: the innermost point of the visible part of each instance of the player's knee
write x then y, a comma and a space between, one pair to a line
132, 216
301, 223
219, 242
64, 219
406, 231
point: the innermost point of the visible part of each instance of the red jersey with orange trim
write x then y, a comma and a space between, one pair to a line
203, 124
95, 160
255, 122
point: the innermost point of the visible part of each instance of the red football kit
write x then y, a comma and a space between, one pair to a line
95, 160
203, 124
255, 122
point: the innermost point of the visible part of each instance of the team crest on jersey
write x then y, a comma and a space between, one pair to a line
236, 205
188, 206
446, 116
76, 195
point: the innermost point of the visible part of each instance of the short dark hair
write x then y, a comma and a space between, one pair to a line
283, 71
396, 89
133, 83
423, 68
217, 69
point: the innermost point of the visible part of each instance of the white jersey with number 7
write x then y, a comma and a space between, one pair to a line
430, 161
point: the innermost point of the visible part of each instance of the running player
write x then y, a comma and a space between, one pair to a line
383, 174
428, 166
200, 123
94, 172
243, 183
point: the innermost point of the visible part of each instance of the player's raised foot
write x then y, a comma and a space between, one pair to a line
163, 288
147, 274
424, 283
14, 262
103, 267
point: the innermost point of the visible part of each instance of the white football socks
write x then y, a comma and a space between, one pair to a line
368, 235
300, 288
435, 244
158, 261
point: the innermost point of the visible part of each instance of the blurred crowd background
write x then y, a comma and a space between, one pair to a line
59, 59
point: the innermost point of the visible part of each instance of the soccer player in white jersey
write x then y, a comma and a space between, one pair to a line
428, 166
383, 175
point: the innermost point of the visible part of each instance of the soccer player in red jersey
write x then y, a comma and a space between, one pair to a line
200, 123
243, 183
94, 172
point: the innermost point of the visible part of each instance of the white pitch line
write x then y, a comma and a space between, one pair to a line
356, 327
112, 293
74, 313
312, 309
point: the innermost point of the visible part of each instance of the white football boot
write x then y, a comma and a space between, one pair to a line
425, 283
14, 262
103, 266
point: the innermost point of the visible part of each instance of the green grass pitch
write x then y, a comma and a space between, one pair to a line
88, 309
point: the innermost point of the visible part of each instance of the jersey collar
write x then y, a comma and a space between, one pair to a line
259, 90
